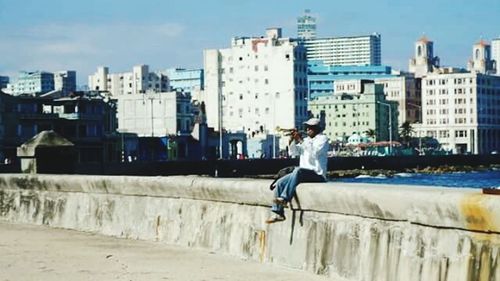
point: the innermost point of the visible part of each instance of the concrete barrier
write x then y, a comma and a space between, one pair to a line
345, 231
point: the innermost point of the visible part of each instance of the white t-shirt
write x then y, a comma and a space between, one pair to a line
313, 153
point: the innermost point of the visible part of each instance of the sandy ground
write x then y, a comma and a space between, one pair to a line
42, 253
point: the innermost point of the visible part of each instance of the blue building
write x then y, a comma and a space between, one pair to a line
186, 80
321, 78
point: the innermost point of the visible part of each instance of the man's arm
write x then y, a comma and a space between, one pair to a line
317, 146
295, 143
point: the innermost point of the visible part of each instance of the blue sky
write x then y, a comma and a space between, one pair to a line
83, 34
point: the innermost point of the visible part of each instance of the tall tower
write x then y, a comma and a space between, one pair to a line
481, 59
424, 61
306, 26
495, 54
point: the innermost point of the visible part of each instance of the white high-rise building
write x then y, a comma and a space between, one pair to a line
495, 54
462, 111
306, 26
424, 61
138, 81
355, 50
257, 84
481, 59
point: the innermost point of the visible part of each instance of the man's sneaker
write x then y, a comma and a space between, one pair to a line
275, 218
280, 201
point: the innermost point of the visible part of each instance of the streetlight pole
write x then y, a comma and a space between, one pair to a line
390, 124
274, 127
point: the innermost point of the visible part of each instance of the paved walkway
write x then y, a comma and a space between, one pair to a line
41, 253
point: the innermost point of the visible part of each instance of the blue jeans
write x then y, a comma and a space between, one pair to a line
285, 186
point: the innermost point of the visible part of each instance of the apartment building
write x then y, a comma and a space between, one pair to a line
346, 51
256, 84
462, 111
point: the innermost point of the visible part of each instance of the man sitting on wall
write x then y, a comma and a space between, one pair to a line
312, 168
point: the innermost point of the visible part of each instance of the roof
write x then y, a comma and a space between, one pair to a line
42, 139
482, 43
424, 39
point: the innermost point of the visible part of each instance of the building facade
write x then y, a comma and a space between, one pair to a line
306, 26
138, 81
424, 61
495, 54
347, 51
257, 84
325, 80
481, 61
155, 114
357, 106
462, 111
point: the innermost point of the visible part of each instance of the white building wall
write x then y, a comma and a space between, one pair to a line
356, 50
262, 82
138, 81
148, 115
495, 54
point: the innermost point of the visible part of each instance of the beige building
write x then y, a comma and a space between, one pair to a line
481, 61
424, 61
462, 111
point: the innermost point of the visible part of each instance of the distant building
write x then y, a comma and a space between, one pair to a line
461, 110
424, 61
325, 80
32, 83
41, 82
481, 61
4, 81
306, 26
185, 80
356, 107
257, 84
495, 54
155, 114
345, 51
65, 81
138, 81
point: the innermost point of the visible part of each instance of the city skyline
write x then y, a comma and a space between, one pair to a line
57, 35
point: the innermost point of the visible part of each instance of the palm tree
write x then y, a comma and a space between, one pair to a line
370, 133
405, 132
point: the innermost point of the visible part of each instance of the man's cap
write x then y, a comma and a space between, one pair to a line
312, 122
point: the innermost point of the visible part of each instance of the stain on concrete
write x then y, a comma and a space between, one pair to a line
477, 216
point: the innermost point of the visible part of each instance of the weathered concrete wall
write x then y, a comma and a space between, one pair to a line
346, 231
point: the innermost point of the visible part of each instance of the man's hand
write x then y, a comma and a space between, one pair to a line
295, 136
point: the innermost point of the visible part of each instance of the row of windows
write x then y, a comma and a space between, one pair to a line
443, 121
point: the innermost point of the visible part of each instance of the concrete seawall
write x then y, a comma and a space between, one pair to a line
346, 231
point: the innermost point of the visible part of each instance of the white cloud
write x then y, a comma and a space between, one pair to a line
83, 47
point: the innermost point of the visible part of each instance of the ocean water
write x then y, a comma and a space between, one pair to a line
479, 179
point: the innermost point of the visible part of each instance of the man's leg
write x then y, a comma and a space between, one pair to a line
282, 186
